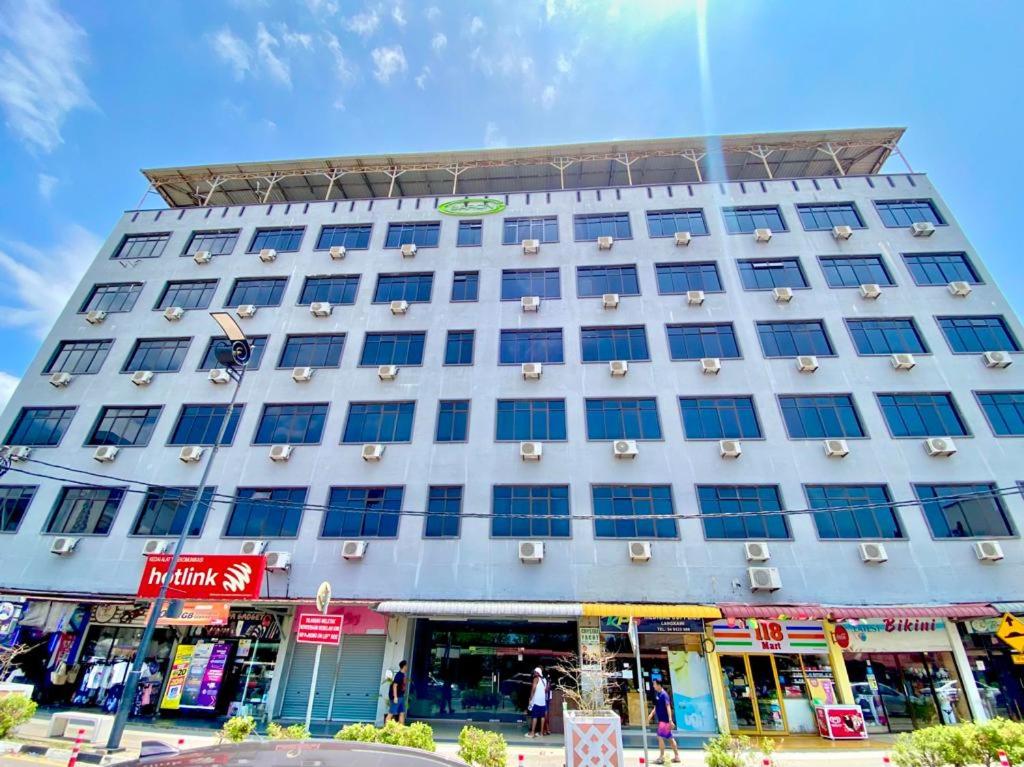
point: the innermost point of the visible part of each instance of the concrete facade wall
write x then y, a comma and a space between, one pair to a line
477, 566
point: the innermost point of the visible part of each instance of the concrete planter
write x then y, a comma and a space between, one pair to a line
593, 739
16, 688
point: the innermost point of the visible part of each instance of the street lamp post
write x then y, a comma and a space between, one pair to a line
234, 355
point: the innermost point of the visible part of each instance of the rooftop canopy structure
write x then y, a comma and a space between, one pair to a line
751, 157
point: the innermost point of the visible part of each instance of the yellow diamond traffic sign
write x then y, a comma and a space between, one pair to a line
1011, 631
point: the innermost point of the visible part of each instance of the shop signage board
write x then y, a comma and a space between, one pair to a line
204, 576
760, 636
653, 625
893, 635
314, 628
1011, 631
251, 624
198, 614
359, 620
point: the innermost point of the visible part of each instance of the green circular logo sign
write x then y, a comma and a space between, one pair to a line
472, 206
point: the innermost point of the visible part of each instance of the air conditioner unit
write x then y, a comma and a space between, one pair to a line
939, 447
903, 361
730, 448
17, 453
142, 377
711, 366
280, 453
337, 252
267, 255
870, 291
279, 561
531, 552
640, 551
762, 235
353, 551
387, 372
764, 579
202, 257
842, 232
105, 453
683, 238
610, 300
60, 380
806, 363
301, 375
782, 295
245, 311
320, 309
95, 317
618, 368
373, 452
173, 313
190, 454
922, 228
531, 451
530, 303
253, 547
988, 551
409, 250
219, 376
532, 371
63, 546
695, 297
872, 553
959, 288
756, 551
531, 247
399, 307
836, 448
625, 449
155, 546
605, 243
992, 360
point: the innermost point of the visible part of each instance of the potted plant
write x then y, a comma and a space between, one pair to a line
593, 731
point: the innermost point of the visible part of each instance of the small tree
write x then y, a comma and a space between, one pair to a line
9, 658
585, 681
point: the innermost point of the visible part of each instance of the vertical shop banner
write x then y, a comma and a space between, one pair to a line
213, 676
691, 692
204, 675
176, 676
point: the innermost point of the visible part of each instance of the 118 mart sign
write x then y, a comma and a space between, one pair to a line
204, 576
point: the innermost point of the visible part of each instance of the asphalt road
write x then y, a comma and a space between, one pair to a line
19, 760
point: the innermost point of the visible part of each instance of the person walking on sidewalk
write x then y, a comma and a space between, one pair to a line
396, 695
538, 705
663, 710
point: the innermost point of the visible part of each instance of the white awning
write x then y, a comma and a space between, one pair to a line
1017, 608
432, 609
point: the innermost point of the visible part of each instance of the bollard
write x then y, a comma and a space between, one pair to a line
73, 759
521, 760
642, 761
766, 762
885, 760
1004, 760
181, 744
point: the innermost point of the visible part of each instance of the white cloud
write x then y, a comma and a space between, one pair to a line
322, 7
438, 42
34, 280
293, 39
387, 62
276, 67
398, 15
341, 64
476, 25
47, 185
39, 78
234, 51
8, 384
269, 124
432, 13
422, 77
563, 64
493, 138
364, 24
547, 96
481, 61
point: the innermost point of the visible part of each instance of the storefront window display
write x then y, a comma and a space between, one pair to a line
1000, 681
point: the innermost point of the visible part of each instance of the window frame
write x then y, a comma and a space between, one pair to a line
509, 441
325, 227
909, 318
255, 441
126, 370
140, 236
940, 219
894, 508
801, 206
740, 262
226, 535
444, 516
89, 439
783, 512
403, 276
643, 331
412, 423
953, 403
543, 273
292, 336
544, 221
687, 265
62, 494
283, 280
475, 273
819, 321
823, 260
672, 517
746, 208
978, 393
214, 283
312, 277
680, 398
239, 408
327, 508
207, 490
133, 294
262, 230
72, 409
729, 323
675, 212
472, 349
522, 331
805, 396
551, 521
967, 260
49, 369
657, 415
32, 490
1001, 317
479, 222
587, 267
437, 421
188, 252
586, 218
208, 349
1006, 513
421, 225
376, 333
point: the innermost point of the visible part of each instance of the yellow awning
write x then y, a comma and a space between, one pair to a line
625, 610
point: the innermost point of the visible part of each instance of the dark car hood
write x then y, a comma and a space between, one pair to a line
291, 753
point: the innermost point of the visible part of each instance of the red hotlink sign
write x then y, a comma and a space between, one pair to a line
314, 628
204, 576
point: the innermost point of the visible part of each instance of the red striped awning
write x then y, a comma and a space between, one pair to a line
915, 611
775, 612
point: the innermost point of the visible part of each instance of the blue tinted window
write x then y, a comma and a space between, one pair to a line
516, 283
142, 246
258, 291
922, 415
350, 236
458, 347
619, 343
528, 420
78, 357
542, 228
423, 235
978, 334
825, 216
124, 426
719, 418
258, 344
444, 505
679, 278
854, 511
964, 511
590, 226
266, 512
166, 509
393, 349
746, 220
452, 420
623, 419
379, 422
161, 355
218, 242
898, 336
765, 274
85, 510
200, 425
465, 286
188, 294
694, 342
14, 502
518, 346
852, 271
285, 239
1005, 411
940, 268
632, 511
291, 424
470, 233
790, 339
530, 511
903, 213
337, 289
113, 297
315, 351
738, 512
592, 281
362, 512
821, 416
40, 426
414, 288
665, 223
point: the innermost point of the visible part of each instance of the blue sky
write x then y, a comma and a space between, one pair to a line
91, 92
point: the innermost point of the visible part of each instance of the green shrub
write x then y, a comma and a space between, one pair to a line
481, 748
998, 735
15, 710
238, 728
361, 733
939, 746
421, 736
417, 735
291, 732
391, 734
728, 751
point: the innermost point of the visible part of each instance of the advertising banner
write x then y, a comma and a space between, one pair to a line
893, 635
176, 676
203, 676
204, 576
806, 637
691, 692
840, 722
198, 614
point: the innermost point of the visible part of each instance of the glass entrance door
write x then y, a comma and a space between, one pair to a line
752, 693
766, 690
